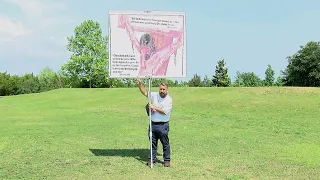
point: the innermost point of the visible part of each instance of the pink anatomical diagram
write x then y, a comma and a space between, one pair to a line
155, 46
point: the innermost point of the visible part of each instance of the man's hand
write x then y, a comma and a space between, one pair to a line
138, 81
155, 108
141, 88
151, 106
151, 109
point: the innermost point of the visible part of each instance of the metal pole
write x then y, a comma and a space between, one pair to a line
150, 126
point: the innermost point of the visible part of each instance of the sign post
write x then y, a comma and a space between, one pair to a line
150, 120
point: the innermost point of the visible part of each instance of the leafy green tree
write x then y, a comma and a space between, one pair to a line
304, 66
279, 81
176, 83
221, 77
247, 79
184, 84
4, 84
68, 81
156, 81
195, 81
29, 84
14, 84
171, 83
269, 78
206, 81
115, 83
88, 63
129, 82
48, 79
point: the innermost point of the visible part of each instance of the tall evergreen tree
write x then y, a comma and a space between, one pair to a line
221, 77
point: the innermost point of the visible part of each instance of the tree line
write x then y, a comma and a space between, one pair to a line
88, 68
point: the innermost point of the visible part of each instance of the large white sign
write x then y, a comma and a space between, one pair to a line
147, 43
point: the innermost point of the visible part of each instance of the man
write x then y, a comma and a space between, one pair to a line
160, 115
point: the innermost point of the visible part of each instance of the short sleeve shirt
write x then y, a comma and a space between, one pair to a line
165, 104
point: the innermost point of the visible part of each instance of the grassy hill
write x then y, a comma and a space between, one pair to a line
215, 133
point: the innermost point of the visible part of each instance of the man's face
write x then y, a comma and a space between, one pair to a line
163, 91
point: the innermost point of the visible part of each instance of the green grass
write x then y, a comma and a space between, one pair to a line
215, 133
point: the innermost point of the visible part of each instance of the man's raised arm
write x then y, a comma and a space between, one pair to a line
141, 88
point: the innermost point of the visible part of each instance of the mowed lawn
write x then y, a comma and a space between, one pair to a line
215, 133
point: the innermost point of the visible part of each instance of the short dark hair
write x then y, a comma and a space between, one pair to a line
164, 84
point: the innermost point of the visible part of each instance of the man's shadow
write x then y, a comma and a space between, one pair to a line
141, 155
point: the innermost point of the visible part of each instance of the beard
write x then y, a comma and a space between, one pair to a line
163, 95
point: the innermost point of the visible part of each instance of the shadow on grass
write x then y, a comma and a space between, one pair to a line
141, 155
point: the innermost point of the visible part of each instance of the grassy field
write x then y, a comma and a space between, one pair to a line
216, 133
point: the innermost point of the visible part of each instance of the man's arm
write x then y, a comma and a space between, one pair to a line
165, 109
160, 110
141, 88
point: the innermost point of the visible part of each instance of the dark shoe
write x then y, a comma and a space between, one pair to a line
166, 164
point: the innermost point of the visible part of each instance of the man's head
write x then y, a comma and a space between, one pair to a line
163, 89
